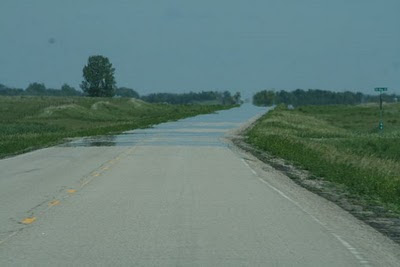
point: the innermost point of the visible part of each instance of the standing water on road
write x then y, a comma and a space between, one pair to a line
202, 130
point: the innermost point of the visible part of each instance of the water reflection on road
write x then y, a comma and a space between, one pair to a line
202, 130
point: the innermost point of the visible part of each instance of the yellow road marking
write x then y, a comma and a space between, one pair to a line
28, 220
54, 203
31, 220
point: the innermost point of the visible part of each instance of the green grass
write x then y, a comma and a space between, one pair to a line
341, 144
28, 123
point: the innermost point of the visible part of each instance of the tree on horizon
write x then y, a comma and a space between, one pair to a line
98, 77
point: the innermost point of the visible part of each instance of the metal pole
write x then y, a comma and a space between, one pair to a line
381, 112
380, 90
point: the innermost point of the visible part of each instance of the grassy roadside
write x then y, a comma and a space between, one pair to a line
28, 123
339, 144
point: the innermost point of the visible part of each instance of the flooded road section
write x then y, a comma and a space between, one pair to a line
202, 130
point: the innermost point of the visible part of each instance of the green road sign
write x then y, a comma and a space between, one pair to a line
380, 90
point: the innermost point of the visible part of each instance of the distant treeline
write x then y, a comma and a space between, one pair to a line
39, 89
224, 98
301, 97
210, 97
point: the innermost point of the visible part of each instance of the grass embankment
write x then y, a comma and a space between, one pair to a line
340, 144
28, 123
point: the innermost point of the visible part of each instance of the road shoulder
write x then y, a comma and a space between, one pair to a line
329, 203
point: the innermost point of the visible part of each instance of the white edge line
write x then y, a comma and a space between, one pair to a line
344, 243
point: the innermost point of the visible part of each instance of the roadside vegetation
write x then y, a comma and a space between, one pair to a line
338, 143
301, 97
31, 122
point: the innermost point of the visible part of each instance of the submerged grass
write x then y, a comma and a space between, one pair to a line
28, 123
340, 144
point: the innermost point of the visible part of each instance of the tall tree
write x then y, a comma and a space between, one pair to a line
99, 77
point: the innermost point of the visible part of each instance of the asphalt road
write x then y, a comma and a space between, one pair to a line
175, 195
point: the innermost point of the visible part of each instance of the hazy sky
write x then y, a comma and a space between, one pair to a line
183, 45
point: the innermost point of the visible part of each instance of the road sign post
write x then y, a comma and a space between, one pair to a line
380, 90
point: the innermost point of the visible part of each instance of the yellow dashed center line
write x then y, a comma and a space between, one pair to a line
54, 203
71, 191
28, 220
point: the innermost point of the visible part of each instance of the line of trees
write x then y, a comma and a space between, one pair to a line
39, 89
224, 98
99, 81
301, 97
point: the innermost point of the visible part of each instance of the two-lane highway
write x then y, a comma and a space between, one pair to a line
173, 195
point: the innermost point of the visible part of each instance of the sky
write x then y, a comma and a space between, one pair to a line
188, 45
